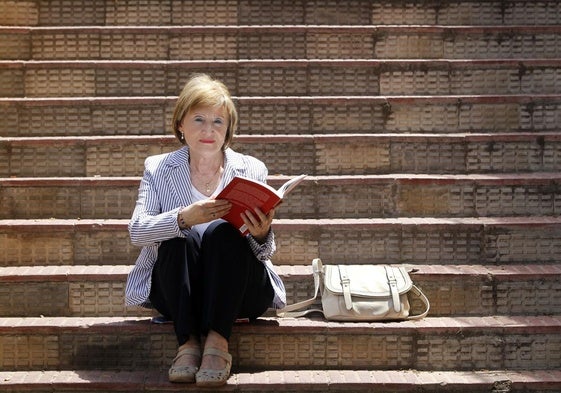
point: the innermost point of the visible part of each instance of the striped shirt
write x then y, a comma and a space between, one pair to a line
164, 190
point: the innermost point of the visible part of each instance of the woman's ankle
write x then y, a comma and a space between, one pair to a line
215, 340
191, 343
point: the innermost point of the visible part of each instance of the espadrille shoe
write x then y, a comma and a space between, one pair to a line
184, 374
209, 378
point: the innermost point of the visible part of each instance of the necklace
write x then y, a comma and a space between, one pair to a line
208, 183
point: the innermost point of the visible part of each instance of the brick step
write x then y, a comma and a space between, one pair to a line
456, 241
101, 116
244, 12
432, 344
282, 77
355, 196
465, 290
335, 154
278, 42
304, 381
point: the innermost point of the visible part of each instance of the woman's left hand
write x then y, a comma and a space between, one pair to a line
258, 223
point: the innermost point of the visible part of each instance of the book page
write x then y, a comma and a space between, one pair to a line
289, 185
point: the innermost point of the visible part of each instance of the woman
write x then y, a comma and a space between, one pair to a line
195, 268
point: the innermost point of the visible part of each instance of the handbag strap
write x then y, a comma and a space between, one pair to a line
419, 294
293, 310
346, 286
392, 283
415, 291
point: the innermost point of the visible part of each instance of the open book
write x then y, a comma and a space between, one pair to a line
247, 194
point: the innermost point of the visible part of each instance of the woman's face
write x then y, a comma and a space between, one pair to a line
204, 128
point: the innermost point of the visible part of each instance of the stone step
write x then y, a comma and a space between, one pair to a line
464, 290
278, 42
282, 77
431, 344
335, 154
245, 12
424, 240
304, 381
101, 116
355, 196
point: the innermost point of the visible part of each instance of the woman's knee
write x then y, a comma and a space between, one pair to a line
222, 234
222, 228
171, 246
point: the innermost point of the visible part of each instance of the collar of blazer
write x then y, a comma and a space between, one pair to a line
234, 161
179, 173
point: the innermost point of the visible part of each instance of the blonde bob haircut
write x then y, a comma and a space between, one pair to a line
202, 90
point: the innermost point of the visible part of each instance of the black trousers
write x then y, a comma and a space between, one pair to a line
206, 284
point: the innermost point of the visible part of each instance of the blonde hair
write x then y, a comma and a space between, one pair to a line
202, 90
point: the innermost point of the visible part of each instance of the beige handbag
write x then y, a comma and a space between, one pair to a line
360, 293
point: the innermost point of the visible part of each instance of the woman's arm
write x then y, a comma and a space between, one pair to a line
263, 251
149, 224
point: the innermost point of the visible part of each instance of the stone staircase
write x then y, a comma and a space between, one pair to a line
430, 131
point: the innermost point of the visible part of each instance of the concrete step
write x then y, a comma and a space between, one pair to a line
431, 344
453, 290
278, 42
305, 381
355, 196
101, 116
424, 240
282, 77
500, 333
335, 154
246, 12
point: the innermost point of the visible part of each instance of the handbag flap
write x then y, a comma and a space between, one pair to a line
367, 280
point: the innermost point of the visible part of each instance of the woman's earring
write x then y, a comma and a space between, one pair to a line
182, 137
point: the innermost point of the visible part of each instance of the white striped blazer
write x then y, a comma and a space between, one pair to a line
164, 190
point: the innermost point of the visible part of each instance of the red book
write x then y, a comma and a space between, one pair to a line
247, 194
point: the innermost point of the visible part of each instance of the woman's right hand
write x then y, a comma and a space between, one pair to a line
204, 211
